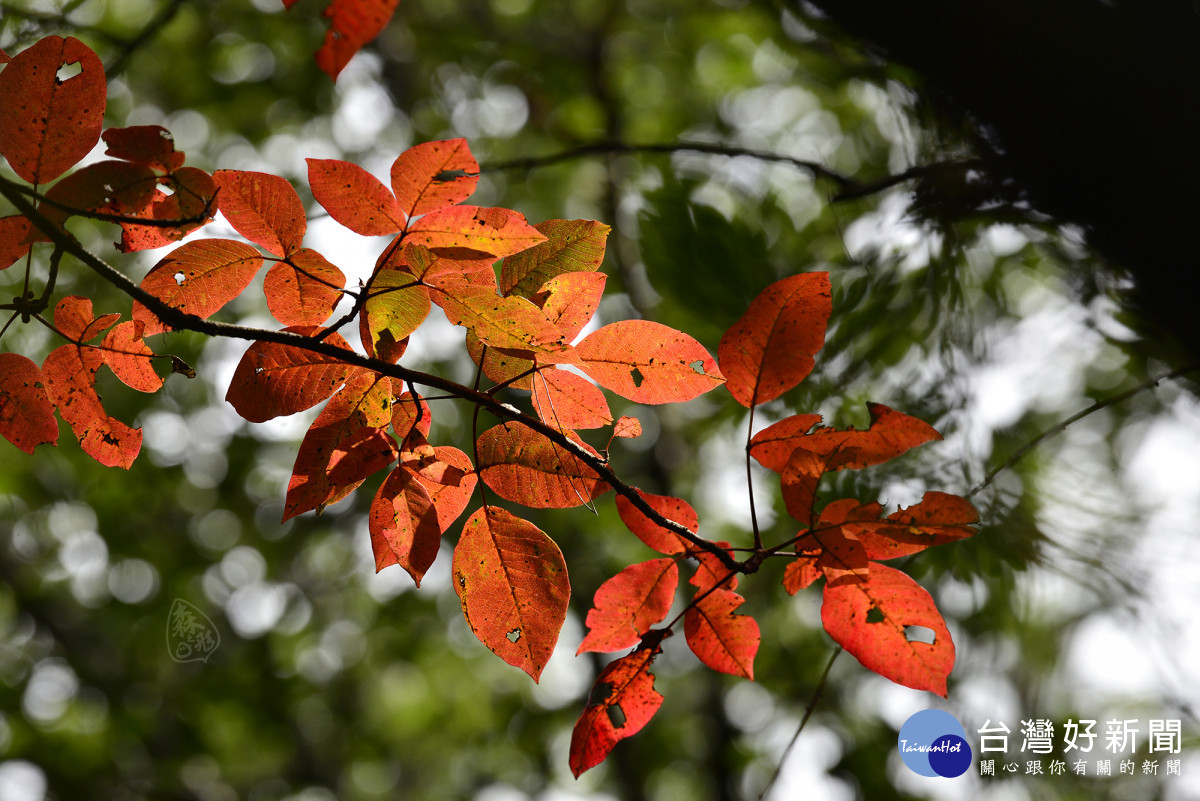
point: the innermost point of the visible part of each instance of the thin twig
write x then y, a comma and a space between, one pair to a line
808, 710
1062, 425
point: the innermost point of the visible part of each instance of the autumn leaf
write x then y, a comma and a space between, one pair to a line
48, 123
70, 376
891, 433
449, 479
568, 401
657, 537
770, 348
352, 24
710, 572
150, 146
511, 323
628, 604
487, 231
192, 191
273, 380
198, 278
129, 357
26, 413
409, 415
648, 362
798, 481
570, 300
869, 619
74, 319
525, 467
724, 641
512, 582
112, 186
303, 289
263, 208
570, 246
621, 702
627, 427
14, 239
354, 197
938, 519
832, 548
404, 525
433, 175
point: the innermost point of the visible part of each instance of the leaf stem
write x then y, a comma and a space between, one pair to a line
808, 710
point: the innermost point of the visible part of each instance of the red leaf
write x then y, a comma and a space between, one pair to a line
627, 427
198, 278
48, 124
770, 348
773, 446
570, 246
869, 618
26, 413
404, 525
433, 175
628, 604
800, 574
112, 186
14, 239
129, 357
710, 572
192, 194
502, 365
512, 582
566, 400
570, 300
70, 375
404, 416
344, 445
648, 362
660, 539
73, 318
273, 380
512, 323
525, 467
495, 232
621, 702
151, 146
263, 208
353, 23
835, 548
719, 638
304, 289
891, 434
354, 197
799, 484
939, 518
449, 479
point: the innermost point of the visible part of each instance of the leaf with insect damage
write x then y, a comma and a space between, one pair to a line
621, 702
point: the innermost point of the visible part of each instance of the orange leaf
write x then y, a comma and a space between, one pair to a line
198, 278
263, 208
835, 547
566, 400
354, 197
800, 574
719, 638
304, 289
404, 525
628, 604
352, 24
770, 348
939, 518
648, 362
344, 445
799, 484
494, 232
129, 357
891, 434
869, 619
660, 539
70, 375
433, 175
395, 307
404, 416
449, 480
151, 146
111, 186
26, 413
512, 582
502, 365
273, 380
710, 572
570, 300
192, 193
73, 318
621, 702
525, 467
48, 124
513, 323
570, 246
627, 427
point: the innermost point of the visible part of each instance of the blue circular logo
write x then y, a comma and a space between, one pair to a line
933, 743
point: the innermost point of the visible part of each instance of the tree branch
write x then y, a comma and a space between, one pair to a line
818, 691
179, 320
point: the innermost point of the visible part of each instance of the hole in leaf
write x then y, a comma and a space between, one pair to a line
179, 278
449, 175
920, 634
874, 615
698, 366
600, 693
616, 716
166, 189
637, 377
513, 635
68, 71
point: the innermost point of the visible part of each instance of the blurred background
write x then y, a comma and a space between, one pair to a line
960, 297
